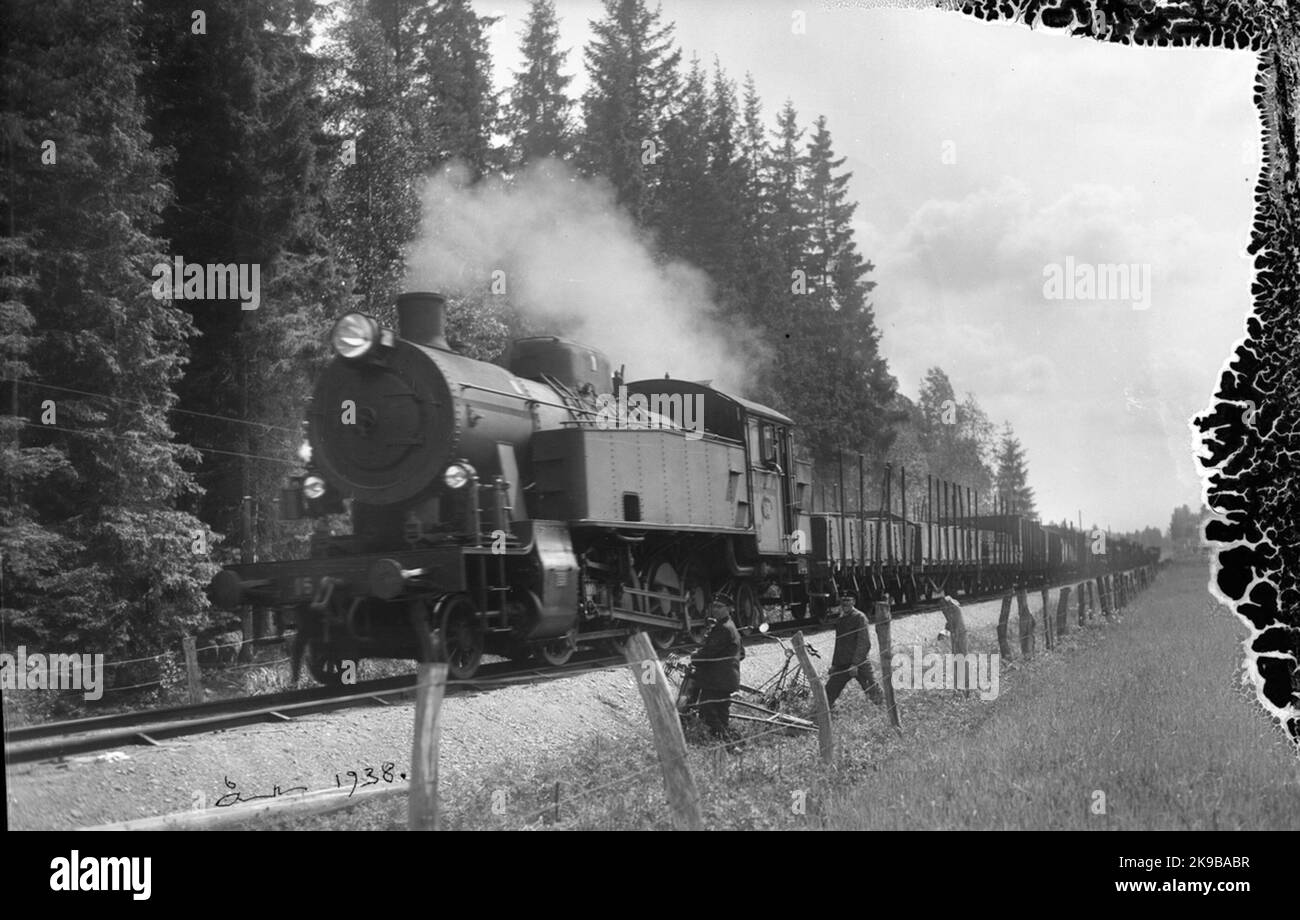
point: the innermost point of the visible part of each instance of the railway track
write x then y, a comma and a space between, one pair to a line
51, 740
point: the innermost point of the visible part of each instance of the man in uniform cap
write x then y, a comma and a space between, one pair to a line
852, 654
717, 667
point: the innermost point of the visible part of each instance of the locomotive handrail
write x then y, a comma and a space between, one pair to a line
516, 396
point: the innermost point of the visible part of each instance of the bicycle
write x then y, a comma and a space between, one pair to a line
775, 692
789, 685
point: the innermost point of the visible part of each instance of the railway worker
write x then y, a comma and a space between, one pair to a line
852, 654
717, 668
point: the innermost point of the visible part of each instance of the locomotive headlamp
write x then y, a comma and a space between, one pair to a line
313, 487
304, 452
457, 475
354, 335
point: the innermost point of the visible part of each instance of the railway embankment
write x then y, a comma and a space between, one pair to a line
576, 752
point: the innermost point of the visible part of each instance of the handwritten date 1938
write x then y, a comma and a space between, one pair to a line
386, 775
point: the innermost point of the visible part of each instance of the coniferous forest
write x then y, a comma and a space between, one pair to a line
139, 432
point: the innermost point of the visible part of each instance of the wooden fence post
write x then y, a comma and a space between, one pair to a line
1026, 619
1094, 601
887, 662
192, 670
957, 630
1004, 642
821, 707
956, 623
1103, 597
1063, 611
670, 743
1080, 616
431, 682
1049, 628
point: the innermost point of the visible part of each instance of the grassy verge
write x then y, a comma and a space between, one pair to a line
1140, 724
1156, 719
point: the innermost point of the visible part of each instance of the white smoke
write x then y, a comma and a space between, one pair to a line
576, 265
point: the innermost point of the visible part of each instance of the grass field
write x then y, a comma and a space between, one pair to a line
1142, 724
1155, 718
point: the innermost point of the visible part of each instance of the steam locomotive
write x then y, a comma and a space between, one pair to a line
520, 508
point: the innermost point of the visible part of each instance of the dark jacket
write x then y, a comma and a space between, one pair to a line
717, 661
852, 640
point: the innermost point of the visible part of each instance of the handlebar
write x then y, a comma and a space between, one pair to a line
789, 650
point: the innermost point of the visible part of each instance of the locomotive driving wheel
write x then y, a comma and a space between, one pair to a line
696, 588
662, 577
463, 636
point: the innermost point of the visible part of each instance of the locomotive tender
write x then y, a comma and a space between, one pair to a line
504, 509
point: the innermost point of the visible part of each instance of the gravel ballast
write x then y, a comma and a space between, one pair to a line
479, 730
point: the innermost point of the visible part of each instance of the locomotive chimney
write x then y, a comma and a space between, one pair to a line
421, 318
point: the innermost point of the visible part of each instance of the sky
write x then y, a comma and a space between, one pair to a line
982, 155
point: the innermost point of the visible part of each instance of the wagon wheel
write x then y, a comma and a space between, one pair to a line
559, 650
697, 592
463, 636
661, 576
323, 665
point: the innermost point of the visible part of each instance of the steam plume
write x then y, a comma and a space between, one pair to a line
576, 265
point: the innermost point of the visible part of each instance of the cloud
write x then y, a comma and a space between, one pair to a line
961, 286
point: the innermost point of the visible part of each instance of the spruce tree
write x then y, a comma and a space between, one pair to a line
762, 286
373, 211
238, 105
725, 224
632, 66
837, 376
834, 263
786, 169
538, 117
753, 139
777, 256
1012, 479
456, 111
955, 435
685, 194
96, 557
